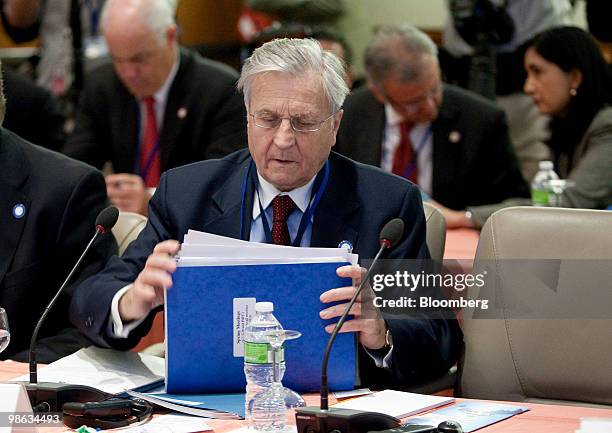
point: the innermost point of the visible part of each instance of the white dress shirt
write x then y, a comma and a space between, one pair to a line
422, 143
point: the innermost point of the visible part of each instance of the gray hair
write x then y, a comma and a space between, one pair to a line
158, 15
297, 57
397, 51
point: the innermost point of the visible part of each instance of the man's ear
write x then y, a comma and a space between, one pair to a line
337, 120
378, 94
172, 35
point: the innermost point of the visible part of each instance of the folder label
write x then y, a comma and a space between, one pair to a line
244, 310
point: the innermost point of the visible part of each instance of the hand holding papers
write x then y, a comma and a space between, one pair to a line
147, 292
215, 288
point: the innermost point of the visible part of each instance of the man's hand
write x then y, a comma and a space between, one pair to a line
455, 219
147, 292
371, 330
128, 192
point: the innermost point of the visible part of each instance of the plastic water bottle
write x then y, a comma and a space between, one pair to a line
259, 368
540, 190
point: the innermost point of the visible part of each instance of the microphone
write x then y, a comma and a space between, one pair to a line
49, 397
324, 420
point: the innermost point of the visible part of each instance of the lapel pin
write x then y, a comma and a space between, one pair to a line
346, 245
19, 210
454, 137
181, 113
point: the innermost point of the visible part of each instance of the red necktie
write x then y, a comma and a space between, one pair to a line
404, 160
150, 169
282, 206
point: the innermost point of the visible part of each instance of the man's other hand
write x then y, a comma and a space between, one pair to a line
371, 330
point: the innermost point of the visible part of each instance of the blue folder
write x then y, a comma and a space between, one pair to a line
199, 321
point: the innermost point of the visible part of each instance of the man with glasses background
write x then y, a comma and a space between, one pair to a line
290, 182
452, 143
155, 107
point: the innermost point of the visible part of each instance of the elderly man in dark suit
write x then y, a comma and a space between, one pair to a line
454, 144
49, 207
156, 107
293, 93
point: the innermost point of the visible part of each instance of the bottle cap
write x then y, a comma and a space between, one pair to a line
264, 307
545, 165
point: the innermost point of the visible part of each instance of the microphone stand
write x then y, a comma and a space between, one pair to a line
324, 384
322, 419
50, 397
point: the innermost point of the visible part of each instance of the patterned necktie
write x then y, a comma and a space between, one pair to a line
150, 169
404, 160
282, 206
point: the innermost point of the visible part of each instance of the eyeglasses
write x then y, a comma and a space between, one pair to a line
271, 121
414, 105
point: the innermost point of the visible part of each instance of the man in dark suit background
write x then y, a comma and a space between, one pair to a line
293, 93
28, 104
156, 107
454, 144
49, 206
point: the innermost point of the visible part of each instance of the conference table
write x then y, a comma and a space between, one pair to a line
540, 417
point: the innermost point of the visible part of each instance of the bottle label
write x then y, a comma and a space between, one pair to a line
260, 353
539, 197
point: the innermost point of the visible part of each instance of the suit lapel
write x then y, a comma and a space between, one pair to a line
227, 202
446, 151
13, 175
336, 217
129, 124
370, 140
176, 111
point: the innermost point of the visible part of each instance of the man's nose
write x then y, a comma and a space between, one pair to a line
284, 135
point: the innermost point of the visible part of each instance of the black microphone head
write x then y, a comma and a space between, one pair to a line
392, 232
107, 219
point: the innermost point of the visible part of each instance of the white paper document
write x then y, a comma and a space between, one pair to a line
395, 403
205, 249
170, 424
108, 370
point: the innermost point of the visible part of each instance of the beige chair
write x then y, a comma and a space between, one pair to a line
128, 226
435, 231
554, 358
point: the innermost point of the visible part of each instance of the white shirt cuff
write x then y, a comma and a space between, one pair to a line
380, 361
116, 328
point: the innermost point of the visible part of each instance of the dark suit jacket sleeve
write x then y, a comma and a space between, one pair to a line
91, 300
425, 346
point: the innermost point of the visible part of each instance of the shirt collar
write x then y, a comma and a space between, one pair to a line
393, 118
300, 196
162, 94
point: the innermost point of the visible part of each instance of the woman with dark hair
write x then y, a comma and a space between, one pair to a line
568, 79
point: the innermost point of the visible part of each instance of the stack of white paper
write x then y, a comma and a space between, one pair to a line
108, 370
395, 403
205, 249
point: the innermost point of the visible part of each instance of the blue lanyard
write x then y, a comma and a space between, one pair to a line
320, 184
412, 166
